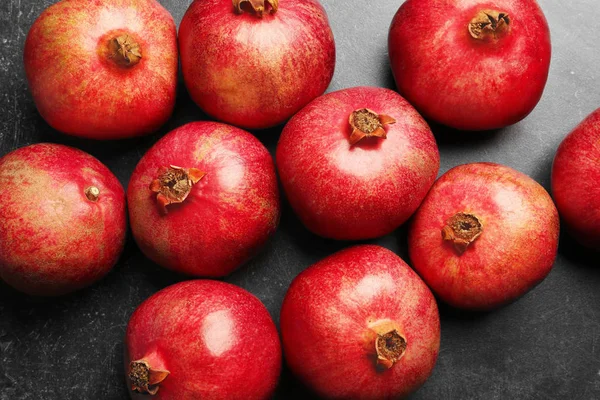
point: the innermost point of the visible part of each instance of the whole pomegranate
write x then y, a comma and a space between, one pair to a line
255, 63
576, 181
103, 69
484, 236
62, 219
204, 199
360, 324
471, 64
355, 164
202, 340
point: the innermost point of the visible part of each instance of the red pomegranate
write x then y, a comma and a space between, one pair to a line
576, 181
360, 324
204, 199
484, 236
255, 63
103, 69
62, 219
471, 64
355, 164
202, 340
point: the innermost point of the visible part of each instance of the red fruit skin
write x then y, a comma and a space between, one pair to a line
217, 341
79, 91
255, 72
53, 239
363, 191
466, 83
515, 251
326, 315
229, 214
576, 181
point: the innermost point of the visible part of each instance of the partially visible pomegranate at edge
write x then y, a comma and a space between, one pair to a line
62, 219
471, 64
360, 324
576, 181
103, 69
202, 340
255, 63
355, 164
484, 236
204, 199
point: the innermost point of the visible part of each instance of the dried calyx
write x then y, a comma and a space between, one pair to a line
462, 229
124, 50
489, 25
144, 379
174, 184
92, 193
390, 348
258, 7
367, 123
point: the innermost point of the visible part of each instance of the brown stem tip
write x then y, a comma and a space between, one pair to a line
367, 123
390, 348
174, 184
144, 379
462, 229
92, 193
489, 25
259, 7
124, 51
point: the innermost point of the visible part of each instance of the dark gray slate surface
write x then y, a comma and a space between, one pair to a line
545, 346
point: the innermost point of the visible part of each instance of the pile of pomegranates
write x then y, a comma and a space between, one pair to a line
355, 164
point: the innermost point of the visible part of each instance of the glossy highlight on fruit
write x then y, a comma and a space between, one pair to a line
204, 199
355, 164
360, 324
62, 219
202, 340
484, 236
255, 63
471, 64
103, 69
576, 181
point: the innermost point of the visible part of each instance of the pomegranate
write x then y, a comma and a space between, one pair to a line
62, 219
202, 340
576, 181
204, 199
355, 164
484, 236
360, 324
103, 69
471, 64
255, 63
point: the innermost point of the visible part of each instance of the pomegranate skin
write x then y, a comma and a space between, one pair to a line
77, 84
216, 340
229, 214
576, 181
255, 72
478, 84
331, 313
347, 192
54, 239
514, 251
